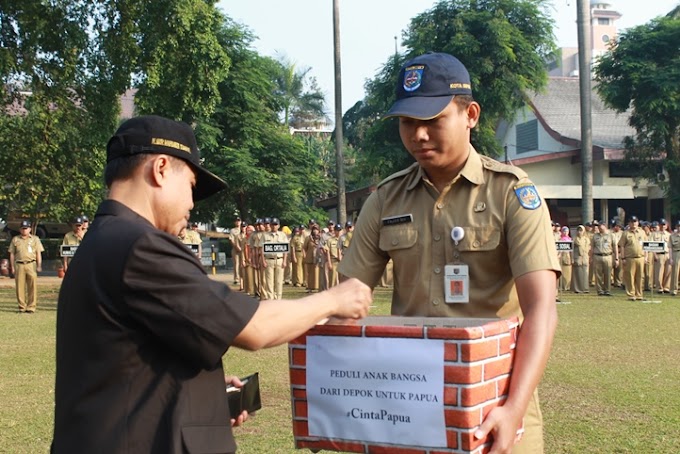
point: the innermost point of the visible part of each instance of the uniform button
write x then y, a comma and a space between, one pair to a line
437, 270
440, 206
475, 244
437, 237
456, 255
435, 301
395, 242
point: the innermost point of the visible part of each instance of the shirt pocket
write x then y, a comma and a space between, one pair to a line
401, 244
479, 239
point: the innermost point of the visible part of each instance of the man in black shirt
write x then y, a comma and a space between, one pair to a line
141, 328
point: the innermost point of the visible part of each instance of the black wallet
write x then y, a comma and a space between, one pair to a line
245, 398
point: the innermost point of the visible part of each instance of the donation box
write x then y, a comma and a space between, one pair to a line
394, 383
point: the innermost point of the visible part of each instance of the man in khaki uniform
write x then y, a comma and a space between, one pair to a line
617, 270
196, 238
296, 257
675, 258
72, 238
334, 255
25, 261
236, 252
604, 253
630, 248
274, 262
662, 266
501, 224
187, 236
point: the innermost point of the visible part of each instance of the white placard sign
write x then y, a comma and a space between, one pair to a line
382, 390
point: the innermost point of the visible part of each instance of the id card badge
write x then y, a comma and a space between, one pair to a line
457, 283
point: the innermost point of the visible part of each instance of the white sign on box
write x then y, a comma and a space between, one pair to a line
376, 389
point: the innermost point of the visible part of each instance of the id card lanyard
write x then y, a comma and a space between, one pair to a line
456, 274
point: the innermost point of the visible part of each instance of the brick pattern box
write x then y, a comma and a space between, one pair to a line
478, 358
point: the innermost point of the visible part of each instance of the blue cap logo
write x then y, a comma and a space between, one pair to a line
413, 77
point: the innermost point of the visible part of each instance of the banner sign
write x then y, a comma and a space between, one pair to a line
376, 389
68, 250
275, 247
654, 246
564, 246
193, 248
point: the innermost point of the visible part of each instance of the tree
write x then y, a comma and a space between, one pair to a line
268, 171
303, 101
503, 43
641, 72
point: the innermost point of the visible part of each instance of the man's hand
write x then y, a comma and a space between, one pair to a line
353, 298
233, 380
503, 424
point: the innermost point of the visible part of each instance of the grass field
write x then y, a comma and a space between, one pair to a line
612, 384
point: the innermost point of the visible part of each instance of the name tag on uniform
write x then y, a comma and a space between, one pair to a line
654, 246
275, 247
457, 283
400, 219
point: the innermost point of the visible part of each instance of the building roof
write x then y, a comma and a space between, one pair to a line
558, 108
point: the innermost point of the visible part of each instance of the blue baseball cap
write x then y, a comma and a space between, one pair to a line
427, 84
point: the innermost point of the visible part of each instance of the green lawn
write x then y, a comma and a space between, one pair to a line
612, 384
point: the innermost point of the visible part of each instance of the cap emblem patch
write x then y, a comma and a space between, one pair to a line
413, 77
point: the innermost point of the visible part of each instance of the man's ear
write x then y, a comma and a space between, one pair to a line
473, 112
160, 167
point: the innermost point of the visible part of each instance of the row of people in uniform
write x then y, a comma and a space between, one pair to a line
261, 267
605, 258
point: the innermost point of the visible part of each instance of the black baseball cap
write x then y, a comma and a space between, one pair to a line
25, 224
427, 84
276, 221
633, 219
154, 134
78, 220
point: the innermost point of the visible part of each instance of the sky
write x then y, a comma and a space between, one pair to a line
302, 31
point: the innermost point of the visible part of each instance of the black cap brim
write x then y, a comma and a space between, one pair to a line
419, 107
207, 183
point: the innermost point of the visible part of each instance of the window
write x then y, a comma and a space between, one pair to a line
527, 136
605, 38
628, 169
602, 21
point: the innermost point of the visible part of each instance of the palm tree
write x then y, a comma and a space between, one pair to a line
302, 100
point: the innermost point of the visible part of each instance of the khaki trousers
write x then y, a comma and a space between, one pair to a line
312, 276
603, 273
238, 271
273, 278
532, 440
26, 285
661, 278
633, 271
298, 273
675, 269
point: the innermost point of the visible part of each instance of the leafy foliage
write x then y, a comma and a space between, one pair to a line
642, 73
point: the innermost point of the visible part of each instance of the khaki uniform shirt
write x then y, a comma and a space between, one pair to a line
296, 243
71, 239
274, 237
631, 243
675, 241
25, 250
333, 245
581, 250
507, 234
346, 239
604, 243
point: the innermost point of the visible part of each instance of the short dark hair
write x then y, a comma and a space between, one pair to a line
122, 168
463, 101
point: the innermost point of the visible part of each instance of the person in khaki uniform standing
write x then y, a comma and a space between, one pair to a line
566, 259
236, 252
274, 262
25, 261
310, 249
501, 228
662, 273
634, 258
334, 255
675, 258
72, 238
296, 257
581, 256
604, 254
617, 268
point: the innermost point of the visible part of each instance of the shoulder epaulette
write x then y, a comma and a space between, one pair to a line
400, 174
492, 164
